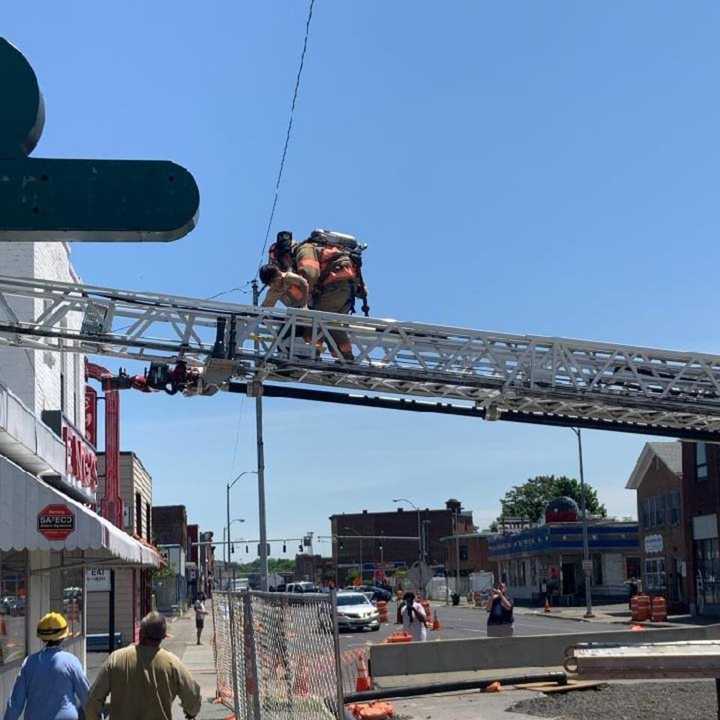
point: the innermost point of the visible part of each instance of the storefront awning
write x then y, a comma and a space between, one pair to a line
35, 516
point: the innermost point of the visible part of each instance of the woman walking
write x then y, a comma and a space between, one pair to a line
413, 618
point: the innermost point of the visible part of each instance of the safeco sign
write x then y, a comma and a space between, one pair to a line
55, 522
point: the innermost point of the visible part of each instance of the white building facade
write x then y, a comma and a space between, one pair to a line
48, 480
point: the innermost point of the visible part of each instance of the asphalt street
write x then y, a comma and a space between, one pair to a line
466, 622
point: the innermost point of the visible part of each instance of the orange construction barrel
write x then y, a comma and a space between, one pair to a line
643, 606
635, 612
659, 609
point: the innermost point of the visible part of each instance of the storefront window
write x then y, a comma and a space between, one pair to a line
708, 571
13, 602
66, 590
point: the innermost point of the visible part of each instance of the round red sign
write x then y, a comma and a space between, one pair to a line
55, 522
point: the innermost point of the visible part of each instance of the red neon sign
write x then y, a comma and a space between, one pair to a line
80, 460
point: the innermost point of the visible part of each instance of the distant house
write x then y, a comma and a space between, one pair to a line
657, 478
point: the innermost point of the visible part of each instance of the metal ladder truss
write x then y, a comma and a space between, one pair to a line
561, 380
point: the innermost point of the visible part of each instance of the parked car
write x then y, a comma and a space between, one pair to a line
377, 593
302, 587
356, 612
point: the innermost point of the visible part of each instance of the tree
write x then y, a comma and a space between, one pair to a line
528, 500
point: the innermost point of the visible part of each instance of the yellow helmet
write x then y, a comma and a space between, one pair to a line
52, 626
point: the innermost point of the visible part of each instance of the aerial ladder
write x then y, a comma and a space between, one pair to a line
196, 347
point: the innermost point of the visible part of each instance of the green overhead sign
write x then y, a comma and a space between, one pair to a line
80, 200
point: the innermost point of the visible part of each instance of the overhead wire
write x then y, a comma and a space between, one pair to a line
288, 133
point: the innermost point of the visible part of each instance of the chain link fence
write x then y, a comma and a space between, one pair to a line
277, 656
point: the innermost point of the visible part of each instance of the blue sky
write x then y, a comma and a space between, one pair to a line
532, 167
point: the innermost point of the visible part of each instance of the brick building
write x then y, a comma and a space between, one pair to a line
390, 555
314, 568
701, 505
657, 479
473, 551
169, 524
170, 532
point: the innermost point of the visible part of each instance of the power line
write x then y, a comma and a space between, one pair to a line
289, 130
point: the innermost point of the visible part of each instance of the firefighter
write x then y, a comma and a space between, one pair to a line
291, 289
331, 264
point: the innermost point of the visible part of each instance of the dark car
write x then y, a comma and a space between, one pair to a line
376, 593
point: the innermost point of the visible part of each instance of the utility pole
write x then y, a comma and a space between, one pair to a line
587, 563
262, 519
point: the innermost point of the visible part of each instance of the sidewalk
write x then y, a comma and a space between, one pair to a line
199, 659
618, 614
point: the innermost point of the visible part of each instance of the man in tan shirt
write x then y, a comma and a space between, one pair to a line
143, 680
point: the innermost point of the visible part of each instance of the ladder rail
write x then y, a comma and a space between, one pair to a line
495, 371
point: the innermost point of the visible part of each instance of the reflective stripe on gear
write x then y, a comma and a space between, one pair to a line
52, 626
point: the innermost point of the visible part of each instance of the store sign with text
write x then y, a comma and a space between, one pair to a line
81, 475
56, 522
97, 580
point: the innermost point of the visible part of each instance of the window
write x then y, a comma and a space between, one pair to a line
597, 570
632, 567
660, 510
463, 553
674, 507
655, 575
148, 511
138, 514
701, 464
66, 590
645, 513
62, 392
13, 596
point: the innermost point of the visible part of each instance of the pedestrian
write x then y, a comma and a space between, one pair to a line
51, 684
414, 619
144, 680
200, 613
500, 609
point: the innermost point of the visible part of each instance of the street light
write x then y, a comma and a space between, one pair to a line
587, 567
235, 520
361, 551
228, 487
420, 542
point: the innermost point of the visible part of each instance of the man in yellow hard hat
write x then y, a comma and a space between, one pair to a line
51, 684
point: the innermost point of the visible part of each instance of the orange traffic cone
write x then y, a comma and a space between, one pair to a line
493, 687
436, 621
547, 605
363, 681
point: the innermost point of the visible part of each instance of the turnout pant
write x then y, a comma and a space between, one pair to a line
338, 298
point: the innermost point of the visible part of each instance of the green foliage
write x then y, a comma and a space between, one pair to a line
275, 565
529, 499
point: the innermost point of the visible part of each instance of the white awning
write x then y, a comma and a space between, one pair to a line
35, 516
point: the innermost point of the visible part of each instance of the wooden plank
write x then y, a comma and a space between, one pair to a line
574, 685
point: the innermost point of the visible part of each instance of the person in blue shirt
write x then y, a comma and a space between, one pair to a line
51, 684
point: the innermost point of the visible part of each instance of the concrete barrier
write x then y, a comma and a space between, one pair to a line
439, 656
